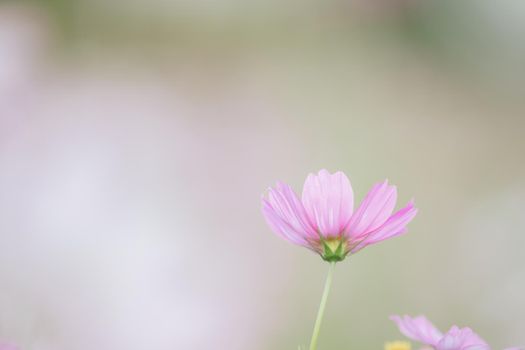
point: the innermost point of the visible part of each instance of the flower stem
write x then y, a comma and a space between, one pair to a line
324, 298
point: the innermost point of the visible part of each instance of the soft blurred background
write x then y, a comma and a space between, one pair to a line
136, 138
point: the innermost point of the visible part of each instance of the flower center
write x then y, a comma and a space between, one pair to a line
398, 345
334, 249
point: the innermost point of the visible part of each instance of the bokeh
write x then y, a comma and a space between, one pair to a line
136, 139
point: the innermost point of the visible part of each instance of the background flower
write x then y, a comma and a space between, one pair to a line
422, 330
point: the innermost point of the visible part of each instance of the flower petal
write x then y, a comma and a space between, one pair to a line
394, 226
418, 328
374, 210
328, 200
286, 215
461, 339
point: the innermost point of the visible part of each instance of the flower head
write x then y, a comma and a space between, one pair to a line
422, 330
324, 221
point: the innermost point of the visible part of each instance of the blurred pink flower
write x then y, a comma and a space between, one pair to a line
324, 220
422, 330
4, 346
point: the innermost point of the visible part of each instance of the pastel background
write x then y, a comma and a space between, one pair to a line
136, 138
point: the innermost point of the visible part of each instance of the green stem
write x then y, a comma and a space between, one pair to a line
324, 298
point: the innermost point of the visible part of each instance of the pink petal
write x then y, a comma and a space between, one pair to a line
461, 339
394, 226
328, 200
286, 216
374, 210
418, 328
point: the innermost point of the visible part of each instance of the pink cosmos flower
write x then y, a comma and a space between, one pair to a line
324, 221
422, 330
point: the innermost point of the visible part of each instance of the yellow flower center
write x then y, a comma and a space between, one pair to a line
334, 249
398, 345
